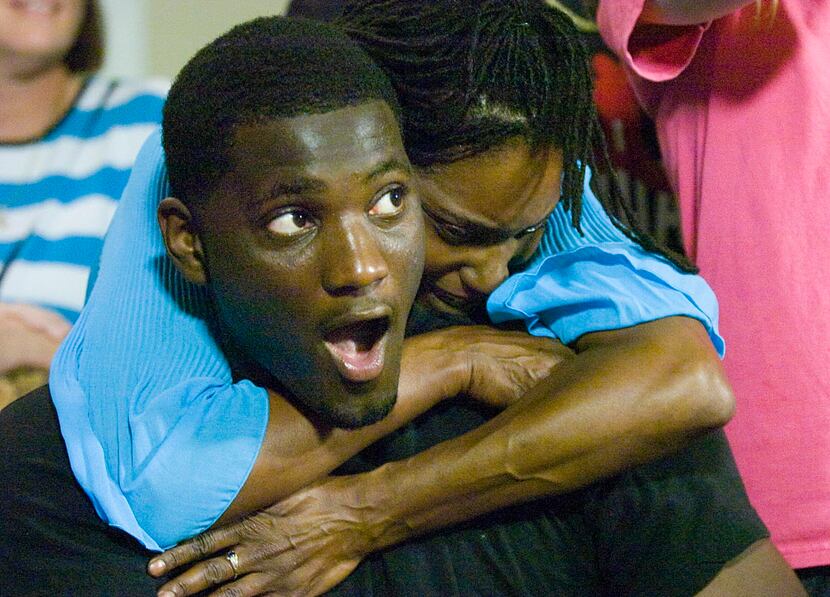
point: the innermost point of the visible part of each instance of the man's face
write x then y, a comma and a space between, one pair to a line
484, 214
313, 245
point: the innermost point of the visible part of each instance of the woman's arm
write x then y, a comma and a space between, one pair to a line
493, 365
628, 396
687, 12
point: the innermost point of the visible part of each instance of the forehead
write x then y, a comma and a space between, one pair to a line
510, 187
329, 144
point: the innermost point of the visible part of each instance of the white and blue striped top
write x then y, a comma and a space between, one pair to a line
58, 193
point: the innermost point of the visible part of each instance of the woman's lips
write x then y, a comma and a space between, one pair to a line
464, 304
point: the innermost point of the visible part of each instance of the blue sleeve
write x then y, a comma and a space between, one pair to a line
158, 435
601, 280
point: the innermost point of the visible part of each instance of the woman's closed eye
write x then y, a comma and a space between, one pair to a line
455, 235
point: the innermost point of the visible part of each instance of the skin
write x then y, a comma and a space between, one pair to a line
625, 397
36, 89
483, 214
318, 233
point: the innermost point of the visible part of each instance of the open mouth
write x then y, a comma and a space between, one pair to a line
358, 348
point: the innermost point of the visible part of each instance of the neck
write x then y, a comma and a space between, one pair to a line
33, 102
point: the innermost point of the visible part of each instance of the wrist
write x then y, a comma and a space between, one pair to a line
379, 503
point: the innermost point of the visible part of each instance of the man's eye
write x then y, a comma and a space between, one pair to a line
390, 203
290, 223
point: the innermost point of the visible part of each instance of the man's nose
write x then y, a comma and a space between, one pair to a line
353, 259
487, 267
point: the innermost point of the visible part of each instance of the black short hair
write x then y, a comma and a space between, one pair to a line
472, 74
267, 68
87, 53
320, 10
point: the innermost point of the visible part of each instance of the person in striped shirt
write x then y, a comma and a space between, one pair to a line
68, 138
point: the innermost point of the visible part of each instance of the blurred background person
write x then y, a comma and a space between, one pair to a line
740, 95
68, 138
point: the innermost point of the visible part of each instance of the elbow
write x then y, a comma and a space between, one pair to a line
703, 398
714, 399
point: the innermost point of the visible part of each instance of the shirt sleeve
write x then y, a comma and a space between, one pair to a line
600, 280
158, 435
653, 52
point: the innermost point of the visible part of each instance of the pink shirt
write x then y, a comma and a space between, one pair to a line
742, 109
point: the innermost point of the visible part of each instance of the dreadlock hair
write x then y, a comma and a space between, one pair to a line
265, 69
473, 74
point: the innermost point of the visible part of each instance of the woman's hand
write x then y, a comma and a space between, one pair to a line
496, 367
304, 545
29, 336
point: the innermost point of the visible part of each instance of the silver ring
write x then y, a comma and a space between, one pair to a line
233, 560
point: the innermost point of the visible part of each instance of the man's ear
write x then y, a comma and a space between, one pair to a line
183, 244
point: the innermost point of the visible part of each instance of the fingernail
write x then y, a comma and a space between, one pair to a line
166, 594
157, 566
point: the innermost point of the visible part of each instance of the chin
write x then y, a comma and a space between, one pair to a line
353, 412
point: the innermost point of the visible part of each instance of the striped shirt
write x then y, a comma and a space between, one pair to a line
58, 193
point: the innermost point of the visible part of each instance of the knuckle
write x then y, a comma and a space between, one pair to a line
203, 544
171, 559
252, 525
231, 592
214, 572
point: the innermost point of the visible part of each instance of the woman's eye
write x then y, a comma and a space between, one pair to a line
390, 203
290, 223
452, 234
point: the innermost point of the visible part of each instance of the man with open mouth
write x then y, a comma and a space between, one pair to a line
299, 243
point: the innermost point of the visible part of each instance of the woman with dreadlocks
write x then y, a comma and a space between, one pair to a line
740, 96
498, 119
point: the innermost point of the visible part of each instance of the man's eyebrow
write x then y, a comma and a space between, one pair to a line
297, 186
390, 165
